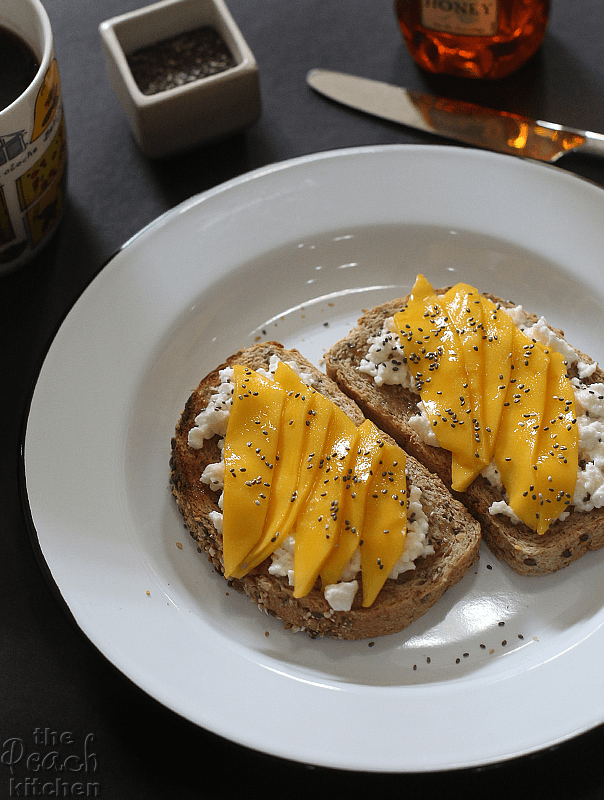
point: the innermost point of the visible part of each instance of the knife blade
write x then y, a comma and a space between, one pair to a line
465, 122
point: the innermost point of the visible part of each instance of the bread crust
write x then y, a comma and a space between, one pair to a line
390, 408
453, 533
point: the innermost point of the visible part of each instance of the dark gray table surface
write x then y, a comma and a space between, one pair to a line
51, 676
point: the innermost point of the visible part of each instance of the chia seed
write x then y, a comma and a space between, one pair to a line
180, 59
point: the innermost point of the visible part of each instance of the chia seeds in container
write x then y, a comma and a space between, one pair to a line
180, 59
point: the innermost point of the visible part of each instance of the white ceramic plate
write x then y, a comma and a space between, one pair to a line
502, 665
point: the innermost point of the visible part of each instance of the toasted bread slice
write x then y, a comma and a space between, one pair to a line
390, 407
453, 533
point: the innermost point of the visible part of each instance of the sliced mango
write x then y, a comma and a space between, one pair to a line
295, 463
315, 426
516, 449
432, 346
538, 455
492, 393
498, 328
304, 425
354, 502
558, 448
319, 522
465, 312
385, 523
249, 455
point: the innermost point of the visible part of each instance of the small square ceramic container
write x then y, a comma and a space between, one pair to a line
203, 110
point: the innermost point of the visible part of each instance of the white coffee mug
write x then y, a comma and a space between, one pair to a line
33, 150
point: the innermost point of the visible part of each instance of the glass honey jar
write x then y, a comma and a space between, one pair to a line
472, 38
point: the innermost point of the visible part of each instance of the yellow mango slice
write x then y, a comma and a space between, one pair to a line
433, 350
385, 523
498, 328
249, 456
538, 454
485, 334
515, 452
465, 312
558, 447
354, 502
492, 393
304, 424
319, 521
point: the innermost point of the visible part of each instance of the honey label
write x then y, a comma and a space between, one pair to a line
461, 17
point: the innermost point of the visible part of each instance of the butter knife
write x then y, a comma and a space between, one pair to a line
454, 119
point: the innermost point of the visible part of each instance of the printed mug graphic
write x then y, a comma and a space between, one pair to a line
32, 184
11, 145
31, 201
41, 189
43, 216
47, 100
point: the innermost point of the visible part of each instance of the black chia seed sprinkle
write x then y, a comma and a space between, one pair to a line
180, 59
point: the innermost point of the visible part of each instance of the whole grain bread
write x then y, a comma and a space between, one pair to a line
453, 533
390, 408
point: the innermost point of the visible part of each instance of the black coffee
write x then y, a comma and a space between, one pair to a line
18, 67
